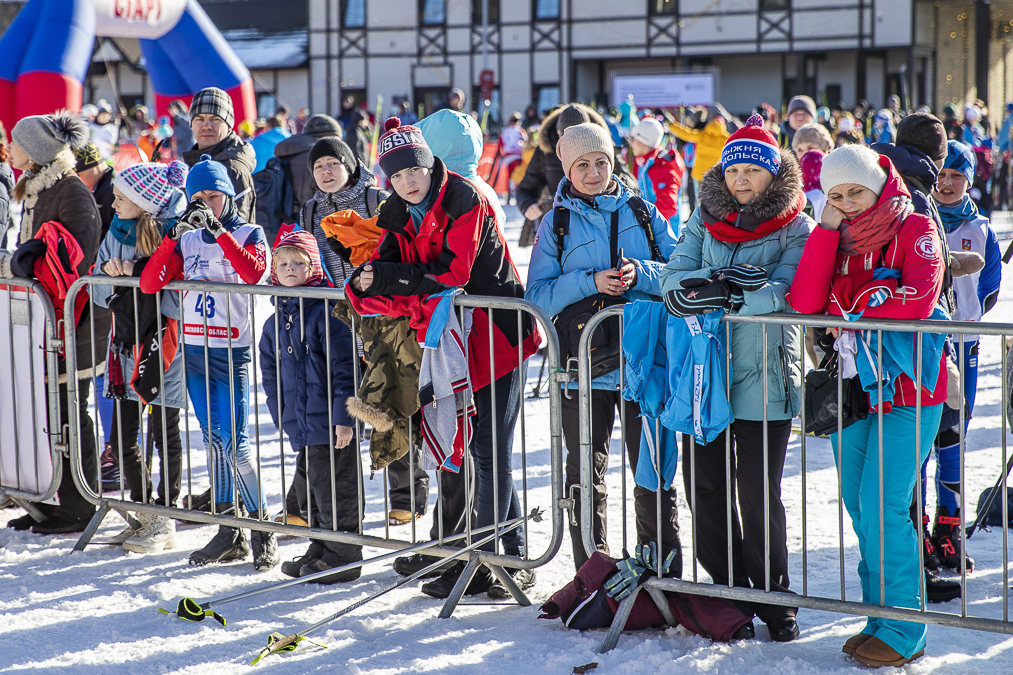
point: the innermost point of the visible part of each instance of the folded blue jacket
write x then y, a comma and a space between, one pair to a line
675, 372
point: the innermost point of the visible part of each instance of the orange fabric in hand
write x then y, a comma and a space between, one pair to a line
357, 235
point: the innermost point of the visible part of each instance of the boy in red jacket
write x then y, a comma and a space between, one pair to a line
440, 234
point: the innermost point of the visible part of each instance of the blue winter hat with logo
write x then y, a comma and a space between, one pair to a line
208, 174
960, 158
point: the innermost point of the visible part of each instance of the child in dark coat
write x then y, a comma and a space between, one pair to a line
312, 364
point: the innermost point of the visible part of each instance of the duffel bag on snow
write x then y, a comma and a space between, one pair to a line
583, 603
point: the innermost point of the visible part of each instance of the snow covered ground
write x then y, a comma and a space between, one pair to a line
95, 612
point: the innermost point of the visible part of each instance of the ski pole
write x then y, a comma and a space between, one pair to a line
276, 642
987, 504
190, 610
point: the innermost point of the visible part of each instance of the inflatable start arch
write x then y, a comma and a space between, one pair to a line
45, 53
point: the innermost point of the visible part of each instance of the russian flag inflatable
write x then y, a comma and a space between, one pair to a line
44, 54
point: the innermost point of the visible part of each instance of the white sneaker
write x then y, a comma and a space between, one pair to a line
158, 534
130, 530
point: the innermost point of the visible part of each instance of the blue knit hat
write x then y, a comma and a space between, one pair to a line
960, 158
752, 144
208, 174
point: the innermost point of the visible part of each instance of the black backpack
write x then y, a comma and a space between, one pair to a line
276, 203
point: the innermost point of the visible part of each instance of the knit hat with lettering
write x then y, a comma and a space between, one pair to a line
402, 147
581, 139
752, 144
151, 185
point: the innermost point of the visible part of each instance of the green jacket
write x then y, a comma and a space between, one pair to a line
698, 254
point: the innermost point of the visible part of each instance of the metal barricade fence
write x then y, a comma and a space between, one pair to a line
282, 466
32, 442
805, 598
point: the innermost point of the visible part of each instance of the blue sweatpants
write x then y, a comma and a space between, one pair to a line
859, 466
216, 419
947, 446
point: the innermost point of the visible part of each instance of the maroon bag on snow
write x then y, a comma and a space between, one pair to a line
710, 617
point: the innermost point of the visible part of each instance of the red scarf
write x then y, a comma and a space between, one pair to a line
726, 230
873, 230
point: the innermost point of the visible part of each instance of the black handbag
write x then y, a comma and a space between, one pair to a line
605, 344
821, 400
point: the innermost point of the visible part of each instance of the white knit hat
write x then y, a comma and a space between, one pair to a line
649, 132
579, 140
852, 164
151, 185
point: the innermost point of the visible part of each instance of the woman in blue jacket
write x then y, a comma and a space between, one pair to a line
592, 194
739, 251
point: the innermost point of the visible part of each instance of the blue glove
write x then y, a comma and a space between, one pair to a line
647, 555
879, 297
621, 584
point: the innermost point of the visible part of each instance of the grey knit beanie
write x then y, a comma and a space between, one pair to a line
852, 164
581, 139
43, 137
570, 116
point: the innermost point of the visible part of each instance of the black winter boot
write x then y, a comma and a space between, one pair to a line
265, 548
946, 536
939, 590
313, 553
227, 546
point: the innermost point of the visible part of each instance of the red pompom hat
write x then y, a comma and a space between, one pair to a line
752, 144
402, 147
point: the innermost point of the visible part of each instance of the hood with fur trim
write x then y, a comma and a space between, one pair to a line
783, 192
548, 136
36, 183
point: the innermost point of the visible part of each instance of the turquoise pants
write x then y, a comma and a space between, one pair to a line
859, 466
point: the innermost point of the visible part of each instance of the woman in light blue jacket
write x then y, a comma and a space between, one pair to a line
592, 197
739, 252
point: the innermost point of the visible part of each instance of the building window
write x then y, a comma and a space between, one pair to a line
353, 13
546, 97
432, 12
767, 5
663, 7
476, 12
546, 9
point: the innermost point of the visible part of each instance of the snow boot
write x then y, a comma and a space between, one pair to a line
939, 590
157, 534
442, 586
524, 579
291, 568
110, 465
228, 545
946, 536
337, 577
932, 561
265, 548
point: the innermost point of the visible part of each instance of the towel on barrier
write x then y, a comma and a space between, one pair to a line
898, 358
445, 392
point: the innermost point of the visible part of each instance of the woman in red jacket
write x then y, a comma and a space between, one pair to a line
867, 225
440, 234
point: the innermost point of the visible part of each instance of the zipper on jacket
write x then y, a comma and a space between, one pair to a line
784, 375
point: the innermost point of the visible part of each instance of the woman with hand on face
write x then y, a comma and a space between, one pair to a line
739, 252
587, 263
872, 256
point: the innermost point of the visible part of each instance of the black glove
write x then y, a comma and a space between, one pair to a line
745, 276
699, 296
198, 215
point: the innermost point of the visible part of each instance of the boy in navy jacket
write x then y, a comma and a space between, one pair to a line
307, 376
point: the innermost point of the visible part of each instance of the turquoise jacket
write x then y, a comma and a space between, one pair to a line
698, 254
553, 287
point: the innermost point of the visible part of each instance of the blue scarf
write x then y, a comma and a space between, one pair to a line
418, 211
124, 231
955, 215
